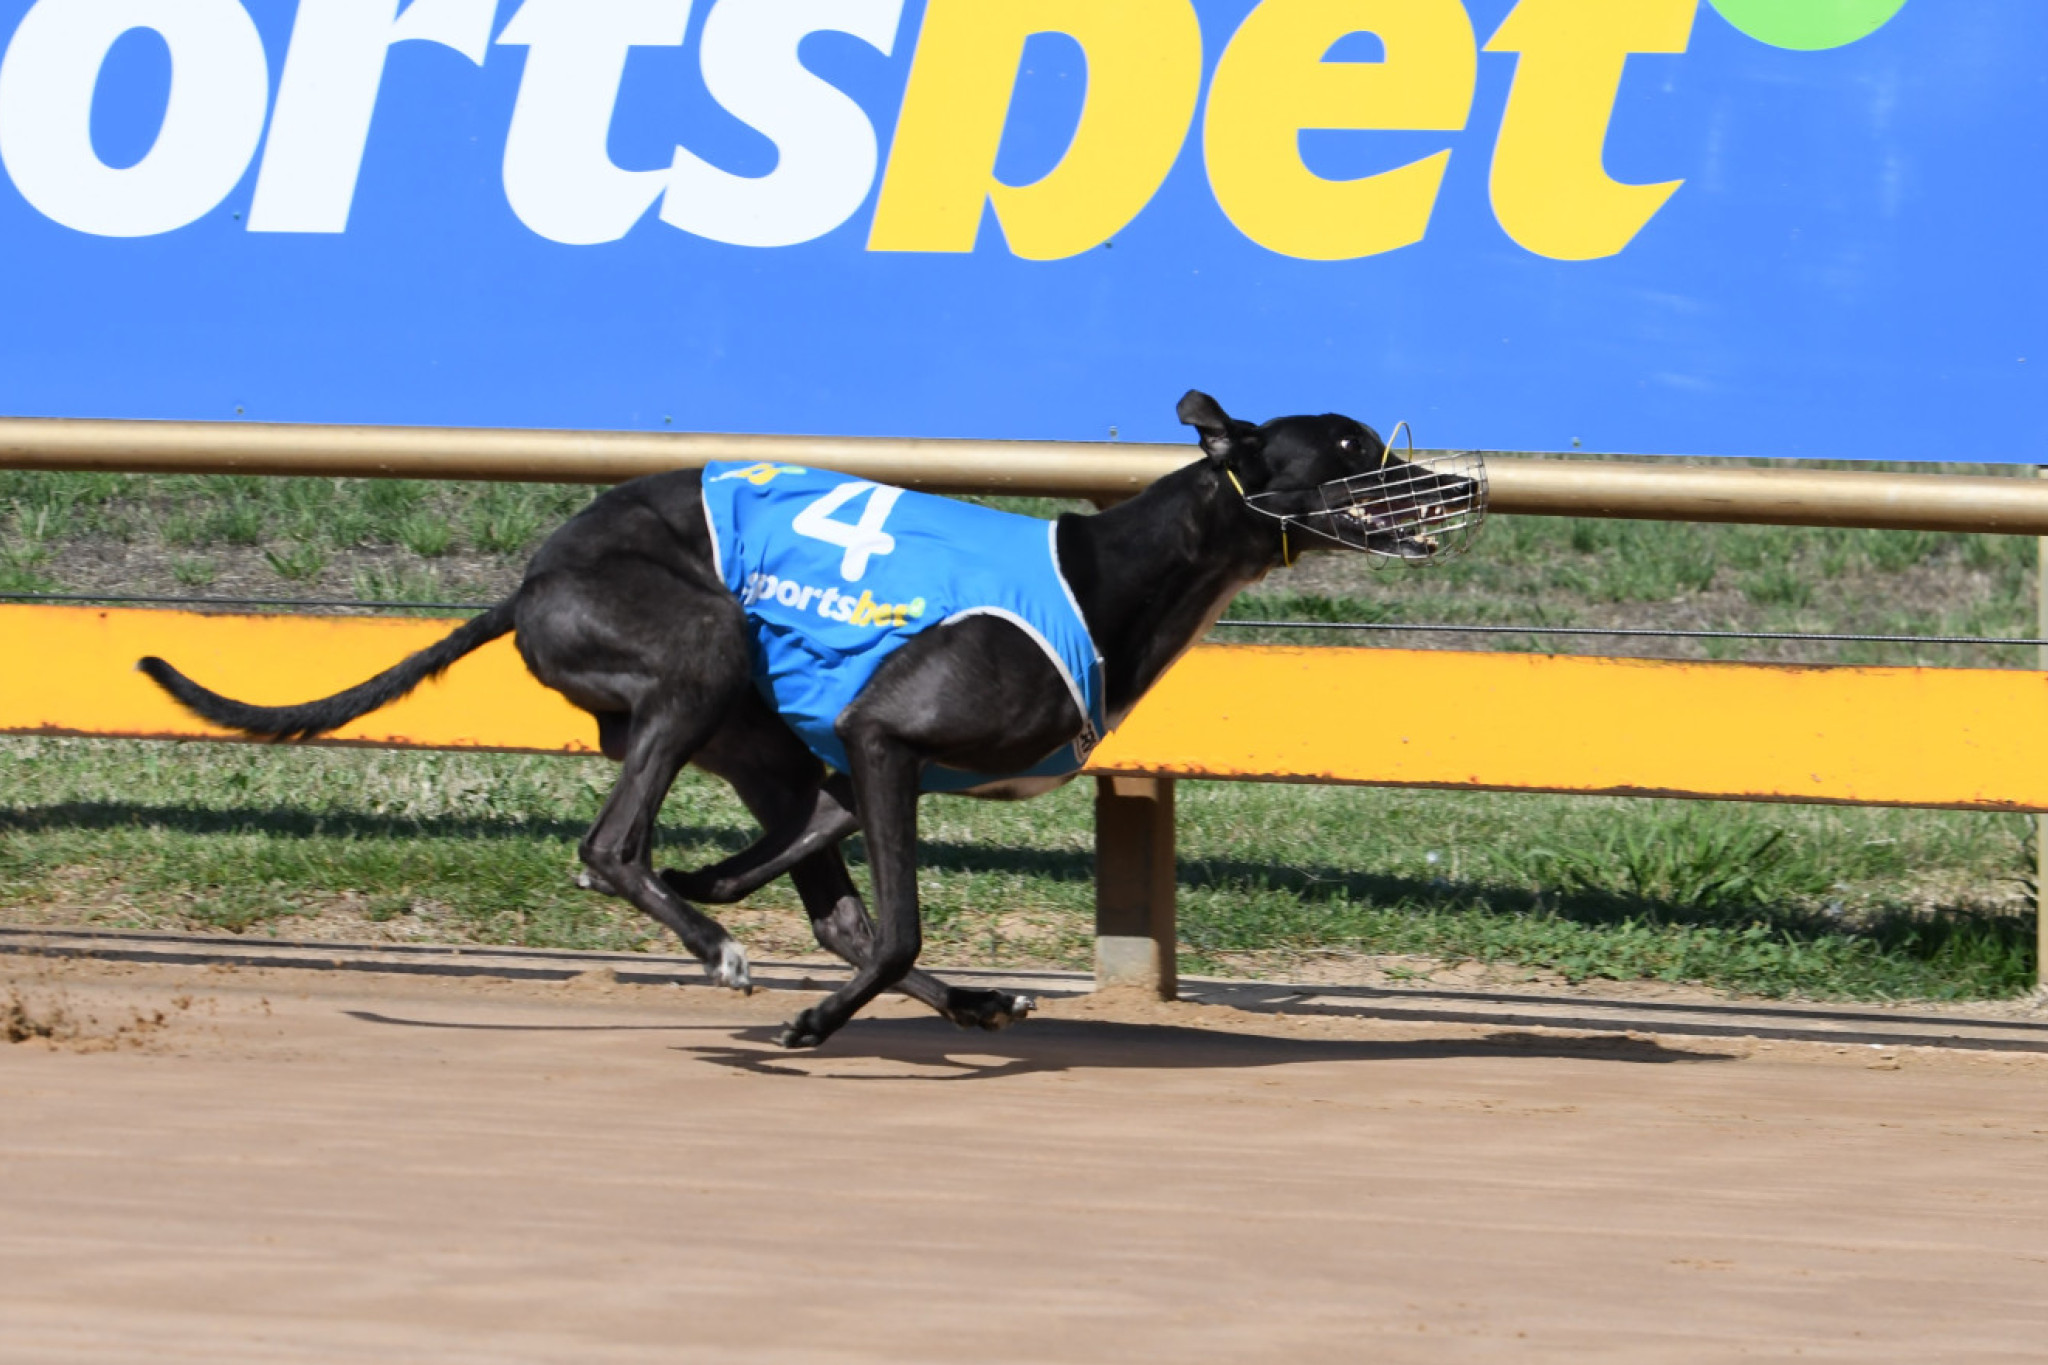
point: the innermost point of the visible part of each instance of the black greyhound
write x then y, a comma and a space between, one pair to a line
623, 612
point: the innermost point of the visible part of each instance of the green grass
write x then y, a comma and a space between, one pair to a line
200, 512
402, 584
1811, 901
1801, 900
1563, 572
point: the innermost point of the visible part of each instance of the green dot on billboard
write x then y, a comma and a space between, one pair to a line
1808, 25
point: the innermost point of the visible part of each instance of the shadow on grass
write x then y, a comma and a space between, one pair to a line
1758, 942
287, 823
2006, 938
1597, 907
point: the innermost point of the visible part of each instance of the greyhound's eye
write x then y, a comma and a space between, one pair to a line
1347, 444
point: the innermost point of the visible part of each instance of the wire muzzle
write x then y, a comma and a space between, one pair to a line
1409, 511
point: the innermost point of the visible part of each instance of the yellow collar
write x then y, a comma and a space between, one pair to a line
1286, 553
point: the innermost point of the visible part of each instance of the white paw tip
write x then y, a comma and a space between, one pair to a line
1023, 1006
731, 968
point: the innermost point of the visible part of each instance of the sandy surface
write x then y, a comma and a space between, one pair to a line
249, 1165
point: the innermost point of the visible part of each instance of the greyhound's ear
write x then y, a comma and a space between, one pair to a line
1220, 435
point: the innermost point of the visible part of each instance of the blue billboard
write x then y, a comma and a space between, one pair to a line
1723, 227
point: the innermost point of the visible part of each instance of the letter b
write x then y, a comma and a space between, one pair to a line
1144, 75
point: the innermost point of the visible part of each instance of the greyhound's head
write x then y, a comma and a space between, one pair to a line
1336, 482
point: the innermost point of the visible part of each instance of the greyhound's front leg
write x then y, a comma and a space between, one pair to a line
885, 781
842, 926
789, 792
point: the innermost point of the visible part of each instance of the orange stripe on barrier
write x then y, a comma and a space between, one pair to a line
1968, 738
1973, 738
72, 671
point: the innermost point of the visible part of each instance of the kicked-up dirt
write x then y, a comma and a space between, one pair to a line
241, 1164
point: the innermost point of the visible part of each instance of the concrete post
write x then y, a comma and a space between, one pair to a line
1135, 934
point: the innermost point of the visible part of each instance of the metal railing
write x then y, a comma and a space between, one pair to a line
1559, 486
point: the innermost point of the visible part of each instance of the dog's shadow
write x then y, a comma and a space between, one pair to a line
933, 1050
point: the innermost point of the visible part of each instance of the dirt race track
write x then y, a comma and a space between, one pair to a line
310, 1166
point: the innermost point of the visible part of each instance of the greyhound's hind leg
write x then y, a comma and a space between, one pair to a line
624, 613
618, 850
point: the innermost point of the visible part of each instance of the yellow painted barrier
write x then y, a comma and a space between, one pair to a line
1966, 738
71, 671
1962, 737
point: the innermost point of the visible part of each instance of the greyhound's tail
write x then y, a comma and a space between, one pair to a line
312, 718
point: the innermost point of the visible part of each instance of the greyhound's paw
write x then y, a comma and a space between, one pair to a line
990, 1011
731, 970
800, 1032
1019, 1007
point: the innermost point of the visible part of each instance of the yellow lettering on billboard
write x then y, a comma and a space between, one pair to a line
1551, 191
1272, 83
1144, 76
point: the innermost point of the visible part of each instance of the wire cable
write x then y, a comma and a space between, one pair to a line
92, 597
1419, 627
1441, 628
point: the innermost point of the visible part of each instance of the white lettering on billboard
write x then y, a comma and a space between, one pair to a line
559, 175
826, 153
213, 120
329, 92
